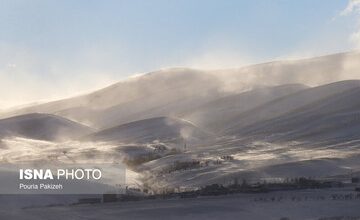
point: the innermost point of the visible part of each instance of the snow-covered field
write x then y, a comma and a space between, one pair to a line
249, 160
294, 205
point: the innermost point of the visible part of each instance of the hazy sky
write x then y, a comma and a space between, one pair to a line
52, 49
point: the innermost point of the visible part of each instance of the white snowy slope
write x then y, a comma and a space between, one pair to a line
216, 114
42, 127
335, 119
293, 102
161, 129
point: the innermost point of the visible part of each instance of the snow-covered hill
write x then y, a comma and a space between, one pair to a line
42, 127
173, 92
161, 129
216, 114
155, 94
299, 101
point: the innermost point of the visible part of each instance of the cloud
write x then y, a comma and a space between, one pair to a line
353, 7
11, 65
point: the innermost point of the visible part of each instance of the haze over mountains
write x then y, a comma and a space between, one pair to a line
245, 101
284, 118
173, 92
